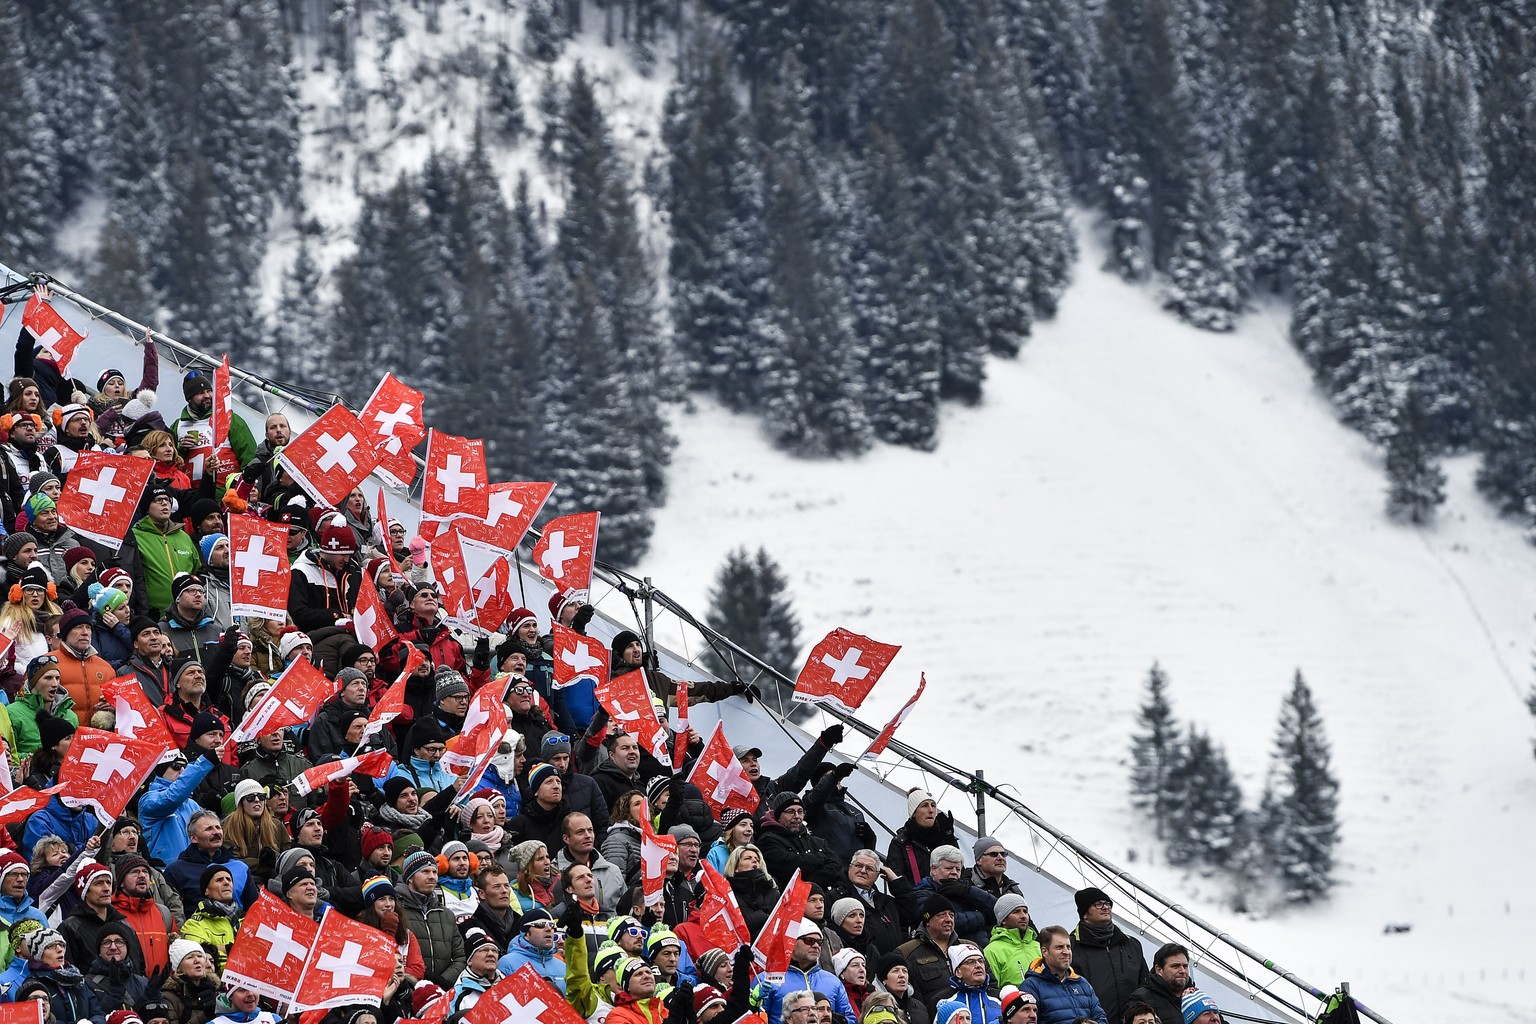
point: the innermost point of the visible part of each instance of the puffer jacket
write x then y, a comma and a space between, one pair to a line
973, 907
1115, 968
1010, 953
787, 851
190, 1002
985, 1009
547, 963
83, 676
212, 929
69, 997
621, 847
437, 933
1062, 1000
757, 895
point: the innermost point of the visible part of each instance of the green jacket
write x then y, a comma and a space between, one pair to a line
1009, 954
213, 931
240, 438
161, 557
24, 711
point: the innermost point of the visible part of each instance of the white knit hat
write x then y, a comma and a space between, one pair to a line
180, 950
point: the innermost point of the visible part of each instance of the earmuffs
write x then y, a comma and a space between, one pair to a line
53, 595
474, 864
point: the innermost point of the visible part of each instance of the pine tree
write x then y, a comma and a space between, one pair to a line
750, 604
1299, 812
1416, 483
296, 336
504, 103
1157, 752
1206, 821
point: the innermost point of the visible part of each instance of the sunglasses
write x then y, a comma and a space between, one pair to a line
526, 690
632, 929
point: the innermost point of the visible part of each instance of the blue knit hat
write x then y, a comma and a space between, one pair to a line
1195, 1003
206, 545
947, 1009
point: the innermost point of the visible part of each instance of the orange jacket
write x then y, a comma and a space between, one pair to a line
152, 924
83, 678
638, 1011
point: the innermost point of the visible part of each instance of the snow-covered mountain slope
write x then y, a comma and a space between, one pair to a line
1131, 490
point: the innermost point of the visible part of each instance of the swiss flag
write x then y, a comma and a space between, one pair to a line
629, 703
485, 723
370, 620
776, 941
223, 404
654, 851
880, 742
720, 915
566, 550
456, 483
58, 339
394, 420
448, 565
720, 777
103, 770
23, 801
293, 700
511, 509
842, 669
271, 948
258, 568
25, 1011
578, 657
375, 765
331, 456
101, 495
392, 703
349, 962
492, 600
136, 717
522, 997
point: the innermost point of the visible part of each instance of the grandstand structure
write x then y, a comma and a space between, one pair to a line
1046, 861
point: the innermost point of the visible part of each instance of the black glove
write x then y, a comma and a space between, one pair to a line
864, 833
231, 637
482, 653
831, 736
158, 977
752, 693
583, 616
842, 771
680, 1004
571, 918
954, 890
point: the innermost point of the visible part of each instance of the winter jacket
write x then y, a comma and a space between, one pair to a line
115, 645
585, 795
787, 851
199, 428
502, 929
211, 929
186, 871
621, 847
1010, 953
912, 846
425, 776
69, 997
154, 678
468, 990
816, 980
1062, 1000
927, 968
190, 1002
973, 907
888, 917
72, 826
13, 978
318, 596
1165, 1001
178, 717
537, 823
153, 557
1115, 967
327, 735
26, 709
192, 638
443, 649
757, 895
277, 768
1002, 885
838, 823
83, 675
610, 778
116, 985
912, 1007
442, 947
82, 934
217, 600
151, 923
546, 962
51, 549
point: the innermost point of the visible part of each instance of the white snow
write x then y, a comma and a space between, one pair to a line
1132, 489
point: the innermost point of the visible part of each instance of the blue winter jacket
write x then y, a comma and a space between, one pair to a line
115, 644
1062, 1001
549, 966
817, 980
429, 775
167, 807
984, 1009
74, 827
973, 911
14, 977
186, 871
13, 910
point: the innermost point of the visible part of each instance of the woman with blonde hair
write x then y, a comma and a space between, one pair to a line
754, 887
161, 446
24, 618
535, 876
256, 836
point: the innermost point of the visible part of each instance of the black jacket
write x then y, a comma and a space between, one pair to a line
785, 851
757, 896
927, 969
835, 820
890, 918
912, 846
1115, 969
537, 823
1156, 994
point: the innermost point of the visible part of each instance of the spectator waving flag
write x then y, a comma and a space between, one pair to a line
102, 494
270, 949
492, 601
258, 568
522, 997
448, 563
566, 550
725, 926
629, 703
721, 778
293, 700
57, 338
331, 457
511, 509
24, 801
485, 723
375, 765
394, 420
842, 669
456, 483
777, 939
349, 963
879, 743
103, 770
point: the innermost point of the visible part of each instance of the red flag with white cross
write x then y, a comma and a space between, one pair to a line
103, 770
223, 405
776, 942
453, 577
271, 948
842, 669
374, 764
135, 717
293, 700
456, 483
577, 657
879, 743
485, 723
370, 619
101, 495
629, 703
492, 596
331, 456
721, 778
510, 510
58, 339
725, 926
654, 851
566, 550
258, 568
392, 704
522, 997
24, 801
349, 962
393, 418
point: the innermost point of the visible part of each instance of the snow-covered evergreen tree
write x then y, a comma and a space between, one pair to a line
1299, 812
750, 603
1157, 753
1415, 481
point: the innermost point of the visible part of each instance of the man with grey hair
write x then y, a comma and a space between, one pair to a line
991, 870
799, 1006
206, 846
888, 917
973, 904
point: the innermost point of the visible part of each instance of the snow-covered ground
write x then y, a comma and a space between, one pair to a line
1132, 489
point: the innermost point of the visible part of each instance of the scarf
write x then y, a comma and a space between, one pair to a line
460, 887
397, 819
940, 833
219, 908
493, 839
1102, 932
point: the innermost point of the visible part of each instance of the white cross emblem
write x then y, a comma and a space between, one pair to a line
727, 782
521, 1012
254, 561
338, 452
388, 421
281, 944
845, 668
109, 763
102, 490
50, 340
341, 968
16, 805
129, 721
363, 620
503, 504
556, 554
655, 856
580, 659
454, 479
485, 590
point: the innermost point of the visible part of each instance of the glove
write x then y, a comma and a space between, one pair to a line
419, 549
680, 1004
752, 693
158, 977
571, 918
954, 890
831, 736
864, 833
582, 618
482, 652
231, 637
842, 771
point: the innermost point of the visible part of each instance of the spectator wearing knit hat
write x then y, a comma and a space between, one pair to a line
193, 985
324, 580
80, 565
544, 808
194, 432
82, 671
450, 698
1199, 1008
215, 576
191, 629
82, 929
925, 829
16, 903
1014, 944
327, 735
135, 900
480, 972
156, 549
54, 540
42, 695
1111, 960
989, 870
421, 905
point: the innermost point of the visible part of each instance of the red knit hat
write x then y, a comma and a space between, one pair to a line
337, 538
518, 617
87, 874
375, 837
